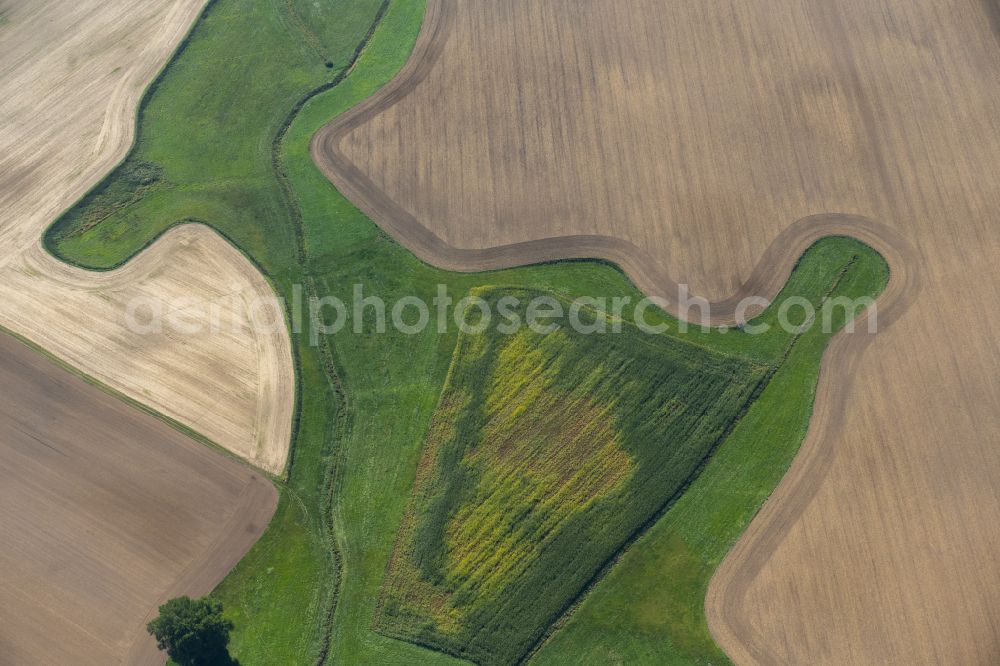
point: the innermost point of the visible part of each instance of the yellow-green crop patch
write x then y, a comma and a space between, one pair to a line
548, 452
307, 592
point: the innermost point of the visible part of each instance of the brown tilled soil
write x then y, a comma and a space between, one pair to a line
707, 143
105, 512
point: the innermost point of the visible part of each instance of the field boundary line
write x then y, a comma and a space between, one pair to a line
185, 430
649, 275
147, 94
327, 352
643, 529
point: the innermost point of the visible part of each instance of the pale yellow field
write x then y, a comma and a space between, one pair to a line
691, 141
71, 74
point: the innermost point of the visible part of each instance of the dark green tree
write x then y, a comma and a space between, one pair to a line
193, 632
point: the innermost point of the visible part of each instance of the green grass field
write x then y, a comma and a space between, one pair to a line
547, 452
223, 139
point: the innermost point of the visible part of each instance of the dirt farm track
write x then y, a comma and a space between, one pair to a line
707, 143
106, 512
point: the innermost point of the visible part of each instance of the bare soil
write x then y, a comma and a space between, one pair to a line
707, 143
106, 512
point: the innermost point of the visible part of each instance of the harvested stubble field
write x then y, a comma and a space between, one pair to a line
307, 591
705, 142
106, 512
71, 75
238, 79
914, 86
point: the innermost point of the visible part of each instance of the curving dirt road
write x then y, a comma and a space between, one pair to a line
707, 143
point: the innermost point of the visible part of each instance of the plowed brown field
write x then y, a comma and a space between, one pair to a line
105, 513
694, 141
